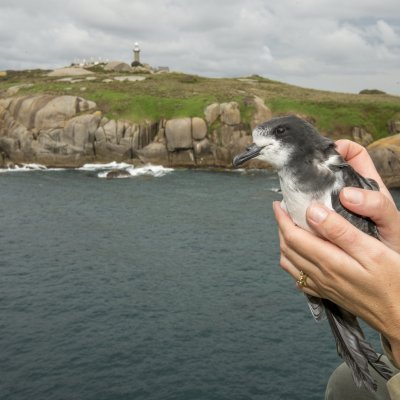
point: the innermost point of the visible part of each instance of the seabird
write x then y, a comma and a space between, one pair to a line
310, 169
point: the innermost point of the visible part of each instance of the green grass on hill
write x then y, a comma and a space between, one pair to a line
142, 106
332, 116
179, 95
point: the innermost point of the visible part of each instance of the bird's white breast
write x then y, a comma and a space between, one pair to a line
296, 202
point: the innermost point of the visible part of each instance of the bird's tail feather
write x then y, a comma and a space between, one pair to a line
375, 362
316, 307
353, 348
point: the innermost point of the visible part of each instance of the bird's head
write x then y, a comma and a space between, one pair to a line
280, 140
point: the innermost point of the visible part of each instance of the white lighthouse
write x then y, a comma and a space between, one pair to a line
136, 53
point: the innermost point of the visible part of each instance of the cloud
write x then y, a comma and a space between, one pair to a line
336, 45
387, 34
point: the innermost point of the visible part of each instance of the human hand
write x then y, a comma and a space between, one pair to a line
375, 205
357, 156
346, 266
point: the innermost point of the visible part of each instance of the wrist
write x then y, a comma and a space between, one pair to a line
395, 347
393, 340
391, 337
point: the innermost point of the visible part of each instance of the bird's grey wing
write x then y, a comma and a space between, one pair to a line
353, 348
350, 342
352, 178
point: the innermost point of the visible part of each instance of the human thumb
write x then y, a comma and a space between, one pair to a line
379, 208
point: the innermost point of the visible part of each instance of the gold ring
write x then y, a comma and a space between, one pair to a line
302, 280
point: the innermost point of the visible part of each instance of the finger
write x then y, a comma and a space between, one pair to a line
309, 246
293, 262
337, 230
288, 267
294, 272
309, 291
328, 265
349, 149
378, 208
357, 156
281, 214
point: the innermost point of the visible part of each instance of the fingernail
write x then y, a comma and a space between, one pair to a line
317, 213
353, 196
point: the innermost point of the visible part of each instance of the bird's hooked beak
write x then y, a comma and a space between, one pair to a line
252, 151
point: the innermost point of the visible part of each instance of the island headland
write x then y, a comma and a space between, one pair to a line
135, 114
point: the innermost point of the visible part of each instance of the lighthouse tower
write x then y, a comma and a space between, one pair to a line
136, 54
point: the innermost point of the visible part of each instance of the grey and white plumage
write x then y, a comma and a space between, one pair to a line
310, 169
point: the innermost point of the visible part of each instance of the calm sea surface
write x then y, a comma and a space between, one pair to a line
151, 288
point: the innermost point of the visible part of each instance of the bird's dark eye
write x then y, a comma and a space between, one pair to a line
280, 130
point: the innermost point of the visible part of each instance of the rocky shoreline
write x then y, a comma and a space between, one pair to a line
69, 131
386, 156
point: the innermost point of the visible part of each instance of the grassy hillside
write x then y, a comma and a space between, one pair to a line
177, 95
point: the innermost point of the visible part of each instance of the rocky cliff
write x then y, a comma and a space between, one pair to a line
69, 131
386, 156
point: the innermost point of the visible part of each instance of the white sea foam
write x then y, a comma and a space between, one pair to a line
151, 170
33, 166
127, 170
28, 168
102, 167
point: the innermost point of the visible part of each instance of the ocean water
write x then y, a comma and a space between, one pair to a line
165, 285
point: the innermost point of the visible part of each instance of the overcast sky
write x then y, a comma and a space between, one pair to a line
325, 44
